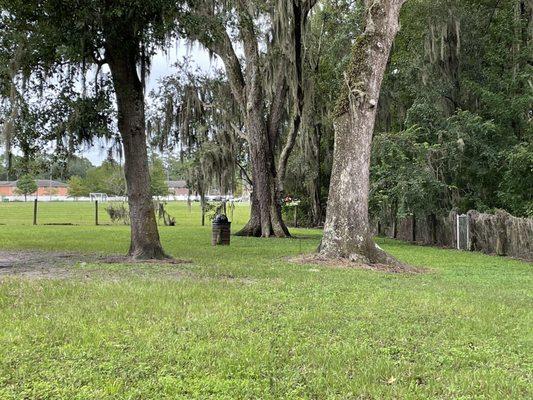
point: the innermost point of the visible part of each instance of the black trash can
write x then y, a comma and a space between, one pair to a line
221, 231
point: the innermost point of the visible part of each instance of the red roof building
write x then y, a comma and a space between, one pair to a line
45, 187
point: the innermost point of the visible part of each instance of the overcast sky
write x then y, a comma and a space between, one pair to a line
162, 65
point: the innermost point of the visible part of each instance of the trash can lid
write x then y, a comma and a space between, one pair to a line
220, 219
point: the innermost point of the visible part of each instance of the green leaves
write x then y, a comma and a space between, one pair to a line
26, 185
458, 73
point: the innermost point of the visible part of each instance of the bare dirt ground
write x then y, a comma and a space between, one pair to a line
317, 259
58, 265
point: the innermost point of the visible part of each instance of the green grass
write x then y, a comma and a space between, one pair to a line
242, 322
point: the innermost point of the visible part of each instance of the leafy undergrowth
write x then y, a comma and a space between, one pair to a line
243, 322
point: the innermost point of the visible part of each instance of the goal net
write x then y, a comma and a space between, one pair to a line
98, 196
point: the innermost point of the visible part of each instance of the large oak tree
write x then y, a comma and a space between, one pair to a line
346, 231
64, 34
264, 70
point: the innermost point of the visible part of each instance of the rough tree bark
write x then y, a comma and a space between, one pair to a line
253, 226
261, 146
273, 224
347, 231
262, 121
263, 134
145, 242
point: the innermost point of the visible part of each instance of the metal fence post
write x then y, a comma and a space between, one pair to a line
467, 232
413, 228
457, 231
35, 212
462, 232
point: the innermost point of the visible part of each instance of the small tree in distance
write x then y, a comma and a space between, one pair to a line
76, 187
26, 185
158, 180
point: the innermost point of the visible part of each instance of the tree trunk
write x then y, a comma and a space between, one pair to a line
202, 205
263, 133
347, 233
265, 218
262, 125
253, 227
315, 184
145, 242
316, 207
269, 223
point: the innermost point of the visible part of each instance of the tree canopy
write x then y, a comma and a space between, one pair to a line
26, 185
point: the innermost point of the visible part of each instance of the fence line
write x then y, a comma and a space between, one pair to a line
499, 233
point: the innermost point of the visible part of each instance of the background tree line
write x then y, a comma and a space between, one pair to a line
453, 126
109, 178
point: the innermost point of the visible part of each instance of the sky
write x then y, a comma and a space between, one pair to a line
162, 65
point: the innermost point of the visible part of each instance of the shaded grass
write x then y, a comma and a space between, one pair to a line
242, 322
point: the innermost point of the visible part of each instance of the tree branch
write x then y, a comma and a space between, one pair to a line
212, 34
278, 104
300, 17
246, 176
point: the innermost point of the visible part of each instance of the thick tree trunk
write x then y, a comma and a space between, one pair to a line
263, 137
265, 189
253, 227
145, 242
260, 225
265, 218
347, 232
247, 90
262, 184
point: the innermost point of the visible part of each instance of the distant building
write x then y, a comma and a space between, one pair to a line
50, 190
45, 187
178, 188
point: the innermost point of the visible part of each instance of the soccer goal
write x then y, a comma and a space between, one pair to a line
98, 196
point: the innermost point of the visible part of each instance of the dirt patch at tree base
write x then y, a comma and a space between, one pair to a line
128, 260
320, 260
60, 265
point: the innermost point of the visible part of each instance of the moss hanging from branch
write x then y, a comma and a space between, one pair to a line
355, 77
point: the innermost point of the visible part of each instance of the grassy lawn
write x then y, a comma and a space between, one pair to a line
242, 322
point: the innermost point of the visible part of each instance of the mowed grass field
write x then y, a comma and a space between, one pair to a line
243, 322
